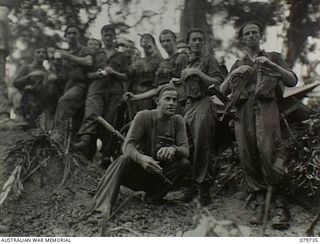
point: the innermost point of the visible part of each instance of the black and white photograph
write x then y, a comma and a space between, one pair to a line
159, 118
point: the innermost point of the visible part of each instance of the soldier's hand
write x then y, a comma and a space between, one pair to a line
166, 153
149, 164
64, 54
231, 124
37, 73
241, 70
175, 81
188, 72
28, 87
52, 77
108, 70
128, 96
262, 60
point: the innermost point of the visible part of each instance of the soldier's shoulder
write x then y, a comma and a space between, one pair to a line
145, 113
178, 118
274, 55
87, 50
209, 58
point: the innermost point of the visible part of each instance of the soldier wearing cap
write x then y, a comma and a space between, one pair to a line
156, 142
256, 83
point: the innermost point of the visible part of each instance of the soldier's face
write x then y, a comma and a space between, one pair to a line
147, 45
167, 103
167, 42
108, 37
251, 35
72, 35
196, 42
40, 54
129, 49
93, 44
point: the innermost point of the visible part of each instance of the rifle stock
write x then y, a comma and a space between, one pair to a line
224, 99
109, 127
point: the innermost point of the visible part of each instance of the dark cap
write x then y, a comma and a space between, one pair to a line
108, 28
240, 32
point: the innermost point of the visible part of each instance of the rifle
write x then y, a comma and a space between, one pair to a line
224, 99
110, 128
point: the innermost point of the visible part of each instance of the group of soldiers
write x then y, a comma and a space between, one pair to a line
172, 116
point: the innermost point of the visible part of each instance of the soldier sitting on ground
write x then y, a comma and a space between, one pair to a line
156, 142
29, 81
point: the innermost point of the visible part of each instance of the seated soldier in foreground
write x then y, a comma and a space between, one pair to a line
156, 142
30, 83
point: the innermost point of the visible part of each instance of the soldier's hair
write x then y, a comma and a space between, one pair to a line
40, 46
94, 39
108, 28
162, 89
253, 22
195, 30
71, 26
166, 31
147, 35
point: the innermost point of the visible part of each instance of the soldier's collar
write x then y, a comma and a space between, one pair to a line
260, 53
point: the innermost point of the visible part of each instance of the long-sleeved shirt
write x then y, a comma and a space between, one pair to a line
148, 133
195, 88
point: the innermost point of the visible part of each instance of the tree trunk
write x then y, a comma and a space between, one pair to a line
5, 6
296, 35
194, 15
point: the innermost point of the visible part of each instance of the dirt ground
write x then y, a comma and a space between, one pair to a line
45, 209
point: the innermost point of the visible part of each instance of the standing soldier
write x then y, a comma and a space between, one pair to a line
200, 113
76, 62
105, 90
168, 69
142, 73
129, 50
256, 83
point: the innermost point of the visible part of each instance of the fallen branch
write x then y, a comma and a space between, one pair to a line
224, 184
310, 230
126, 229
266, 210
9, 185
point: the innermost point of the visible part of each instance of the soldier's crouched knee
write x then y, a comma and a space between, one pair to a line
184, 163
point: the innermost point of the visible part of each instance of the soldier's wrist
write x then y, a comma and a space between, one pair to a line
137, 158
175, 149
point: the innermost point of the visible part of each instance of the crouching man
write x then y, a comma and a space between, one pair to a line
156, 142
